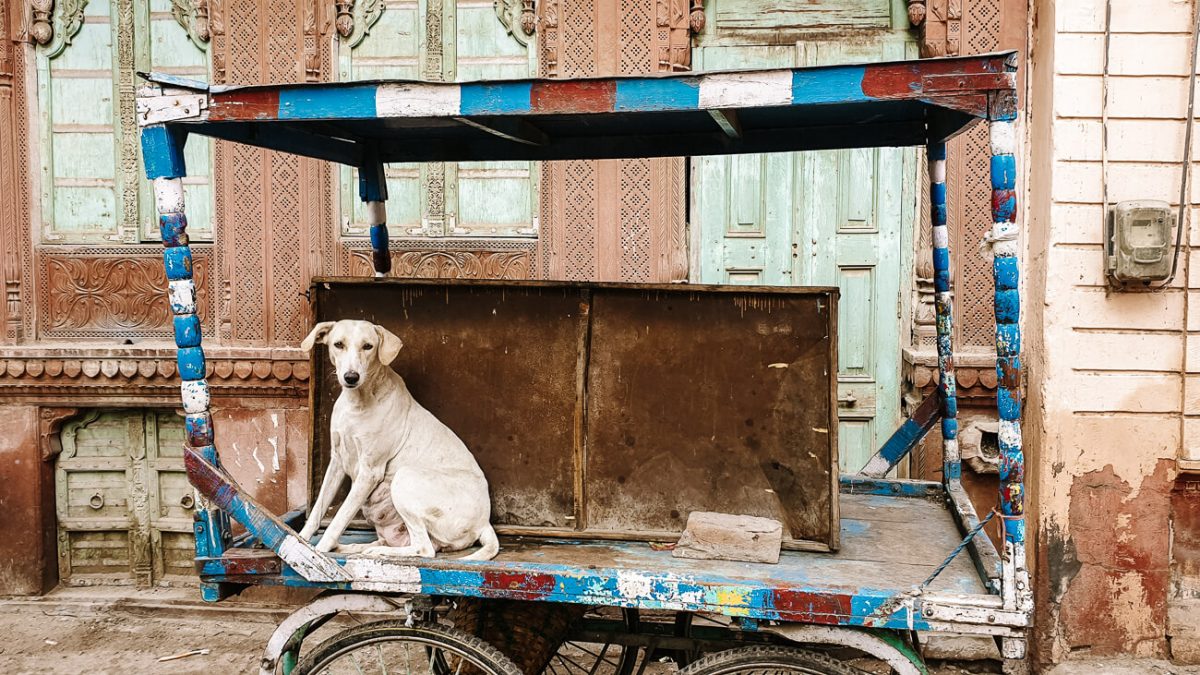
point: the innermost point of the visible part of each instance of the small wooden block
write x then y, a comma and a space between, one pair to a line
724, 536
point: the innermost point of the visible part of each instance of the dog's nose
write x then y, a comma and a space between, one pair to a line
351, 377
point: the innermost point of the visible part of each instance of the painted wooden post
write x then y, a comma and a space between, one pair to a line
372, 189
1003, 240
951, 463
162, 152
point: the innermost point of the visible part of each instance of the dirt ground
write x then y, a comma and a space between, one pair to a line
102, 631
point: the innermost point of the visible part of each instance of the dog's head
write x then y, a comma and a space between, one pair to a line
357, 348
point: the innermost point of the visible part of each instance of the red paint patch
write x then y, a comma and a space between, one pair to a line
580, 96
253, 104
516, 585
794, 605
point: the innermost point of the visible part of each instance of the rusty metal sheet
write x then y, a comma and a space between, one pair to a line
711, 401
497, 364
612, 410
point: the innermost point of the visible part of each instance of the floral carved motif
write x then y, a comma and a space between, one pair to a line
518, 18
193, 16
98, 295
449, 264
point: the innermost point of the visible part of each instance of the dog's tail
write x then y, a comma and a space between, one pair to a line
488, 543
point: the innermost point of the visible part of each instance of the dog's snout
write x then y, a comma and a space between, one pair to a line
351, 377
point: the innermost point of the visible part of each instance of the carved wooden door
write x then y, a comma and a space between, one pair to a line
124, 505
839, 218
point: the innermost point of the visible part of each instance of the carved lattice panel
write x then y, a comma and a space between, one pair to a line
970, 209
272, 208
611, 220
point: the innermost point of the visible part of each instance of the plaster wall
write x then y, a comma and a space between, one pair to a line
1113, 378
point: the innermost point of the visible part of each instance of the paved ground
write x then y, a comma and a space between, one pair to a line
105, 631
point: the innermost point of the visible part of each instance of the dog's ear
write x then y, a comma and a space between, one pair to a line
389, 345
318, 334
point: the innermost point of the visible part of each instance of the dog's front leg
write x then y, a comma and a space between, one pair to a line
334, 475
360, 489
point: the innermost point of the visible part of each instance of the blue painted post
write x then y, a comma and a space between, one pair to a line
162, 153
944, 306
1003, 240
372, 189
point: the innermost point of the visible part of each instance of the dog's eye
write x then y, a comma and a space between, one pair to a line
339, 345
368, 347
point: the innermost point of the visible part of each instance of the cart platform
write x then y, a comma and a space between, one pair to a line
893, 541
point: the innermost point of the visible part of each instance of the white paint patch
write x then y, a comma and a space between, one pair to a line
308, 563
195, 396
941, 237
876, 468
376, 213
374, 574
633, 585
254, 455
417, 100
1003, 138
182, 295
766, 88
1009, 432
274, 441
168, 195
937, 171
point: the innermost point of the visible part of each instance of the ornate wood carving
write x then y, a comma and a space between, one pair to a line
193, 16
448, 264
940, 24
50, 421
272, 209
41, 29
74, 375
92, 295
613, 220
518, 18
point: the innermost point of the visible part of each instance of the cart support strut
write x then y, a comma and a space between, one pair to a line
162, 149
372, 189
944, 306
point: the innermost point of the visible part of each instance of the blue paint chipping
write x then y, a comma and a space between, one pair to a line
495, 98
1008, 306
173, 227
1005, 271
1005, 209
941, 258
941, 279
1008, 404
379, 237
372, 184
162, 152
646, 93
842, 84
950, 425
309, 103
952, 471
1008, 339
901, 442
178, 263
198, 424
187, 331
937, 196
191, 363
1004, 172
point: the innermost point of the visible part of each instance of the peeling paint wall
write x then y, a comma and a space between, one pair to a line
1109, 395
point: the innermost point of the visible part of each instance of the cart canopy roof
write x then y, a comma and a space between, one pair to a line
846, 106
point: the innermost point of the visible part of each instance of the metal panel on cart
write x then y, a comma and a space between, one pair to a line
580, 434
831, 218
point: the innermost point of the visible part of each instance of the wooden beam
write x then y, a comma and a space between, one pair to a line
728, 121
516, 130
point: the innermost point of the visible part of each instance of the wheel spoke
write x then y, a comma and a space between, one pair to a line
599, 659
382, 664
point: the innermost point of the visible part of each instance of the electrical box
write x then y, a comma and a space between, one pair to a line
1138, 241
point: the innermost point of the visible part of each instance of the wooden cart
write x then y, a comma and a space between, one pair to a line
891, 567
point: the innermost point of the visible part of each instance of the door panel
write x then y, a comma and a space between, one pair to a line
819, 218
124, 505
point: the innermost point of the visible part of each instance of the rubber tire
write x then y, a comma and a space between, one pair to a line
766, 657
468, 645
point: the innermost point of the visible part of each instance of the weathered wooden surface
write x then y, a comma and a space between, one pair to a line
724, 536
695, 400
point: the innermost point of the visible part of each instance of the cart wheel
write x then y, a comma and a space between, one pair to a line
590, 658
392, 647
769, 659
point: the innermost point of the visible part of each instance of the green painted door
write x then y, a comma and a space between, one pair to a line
124, 504
839, 218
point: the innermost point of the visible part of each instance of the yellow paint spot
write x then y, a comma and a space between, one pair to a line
733, 602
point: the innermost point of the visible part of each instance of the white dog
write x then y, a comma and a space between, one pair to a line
414, 480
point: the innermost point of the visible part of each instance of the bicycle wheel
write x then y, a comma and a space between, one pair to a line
771, 660
392, 647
